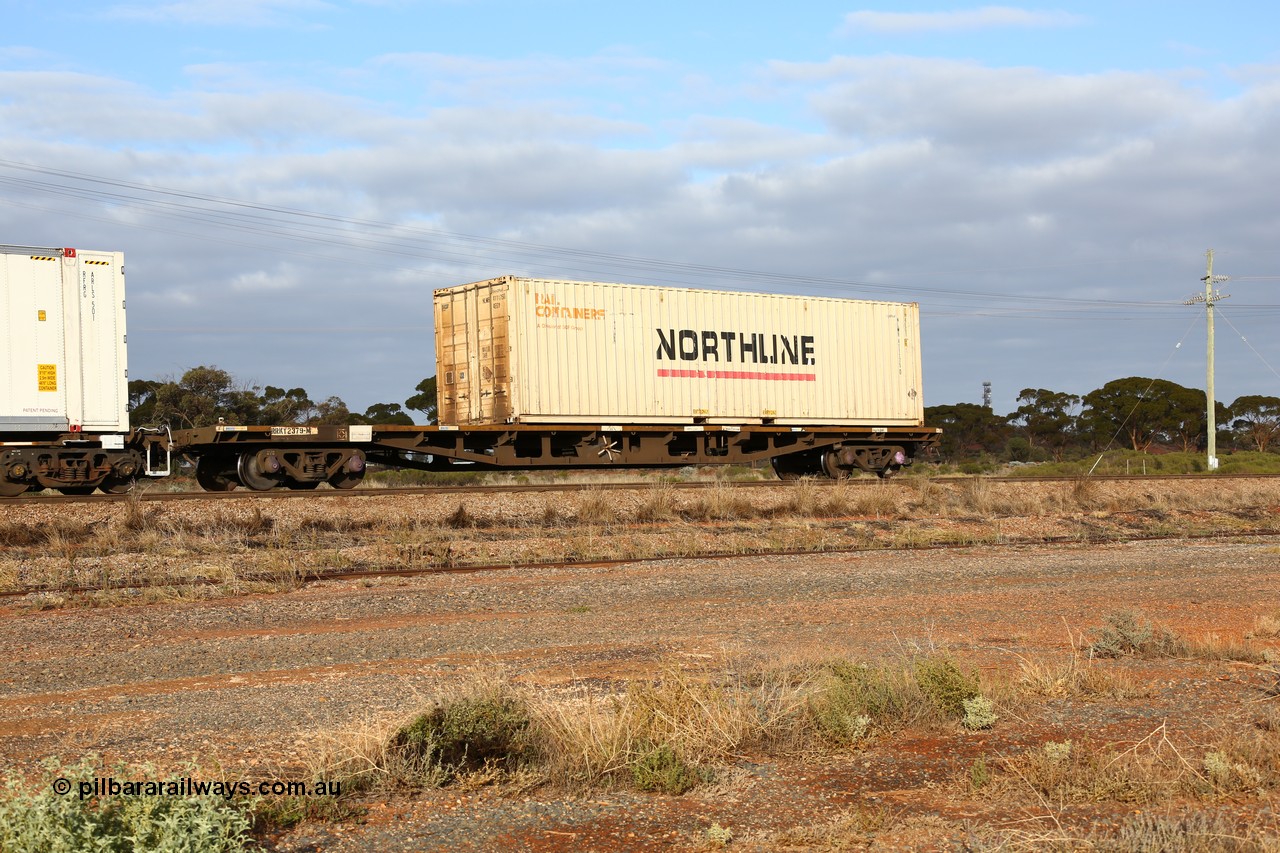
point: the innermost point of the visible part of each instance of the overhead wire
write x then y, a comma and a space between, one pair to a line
1261, 358
420, 242
331, 238
1143, 396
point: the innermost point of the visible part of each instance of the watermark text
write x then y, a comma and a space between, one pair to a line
109, 786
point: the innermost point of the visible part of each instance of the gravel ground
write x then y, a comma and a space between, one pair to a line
250, 683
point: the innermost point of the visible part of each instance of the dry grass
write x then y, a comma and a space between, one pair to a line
659, 504
663, 734
803, 498
240, 545
1153, 770
686, 726
852, 829
878, 501
668, 733
1073, 674
682, 719
1266, 627
1178, 832
721, 503
431, 748
596, 506
1128, 633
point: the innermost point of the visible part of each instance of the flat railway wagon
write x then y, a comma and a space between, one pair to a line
532, 374
539, 373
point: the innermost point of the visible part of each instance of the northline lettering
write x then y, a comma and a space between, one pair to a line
751, 347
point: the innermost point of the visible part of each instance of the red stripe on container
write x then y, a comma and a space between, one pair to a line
738, 374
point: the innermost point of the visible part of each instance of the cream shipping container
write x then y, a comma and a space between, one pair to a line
62, 341
530, 350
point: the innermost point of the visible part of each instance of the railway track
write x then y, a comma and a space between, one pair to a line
863, 482
374, 572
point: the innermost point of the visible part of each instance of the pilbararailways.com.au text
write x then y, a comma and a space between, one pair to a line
188, 787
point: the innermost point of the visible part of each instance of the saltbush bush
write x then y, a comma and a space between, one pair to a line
36, 819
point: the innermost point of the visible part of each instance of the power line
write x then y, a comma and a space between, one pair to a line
1261, 358
420, 242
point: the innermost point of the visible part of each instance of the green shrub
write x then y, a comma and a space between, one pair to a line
1018, 449
659, 768
944, 685
979, 713
979, 773
468, 734
1193, 833
855, 699
34, 819
1127, 633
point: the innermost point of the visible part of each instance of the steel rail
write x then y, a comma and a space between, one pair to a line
386, 572
859, 482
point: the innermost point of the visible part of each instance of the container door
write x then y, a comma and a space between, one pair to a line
32, 363
473, 353
492, 354
102, 369
451, 356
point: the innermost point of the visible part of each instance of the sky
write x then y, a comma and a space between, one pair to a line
291, 179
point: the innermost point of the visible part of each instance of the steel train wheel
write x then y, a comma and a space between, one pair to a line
795, 466
10, 489
214, 474
784, 468
118, 485
351, 474
346, 479
831, 466
253, 476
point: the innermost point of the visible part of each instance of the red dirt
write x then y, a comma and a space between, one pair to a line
248, 681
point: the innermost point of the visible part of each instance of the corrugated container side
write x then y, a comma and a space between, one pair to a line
62, 353
562, 351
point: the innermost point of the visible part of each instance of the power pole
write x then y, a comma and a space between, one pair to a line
1209, 297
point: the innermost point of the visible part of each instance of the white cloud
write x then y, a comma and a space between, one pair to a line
934, 180
986, 17
1023, 113
259, 281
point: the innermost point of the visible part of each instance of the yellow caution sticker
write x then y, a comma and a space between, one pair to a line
47, 377
40, 315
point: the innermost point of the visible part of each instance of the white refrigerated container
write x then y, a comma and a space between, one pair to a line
62, 341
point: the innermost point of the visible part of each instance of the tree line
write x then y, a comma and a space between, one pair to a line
1135, 412
205, 396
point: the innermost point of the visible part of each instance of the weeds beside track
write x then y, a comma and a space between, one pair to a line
148, 492
147, 550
